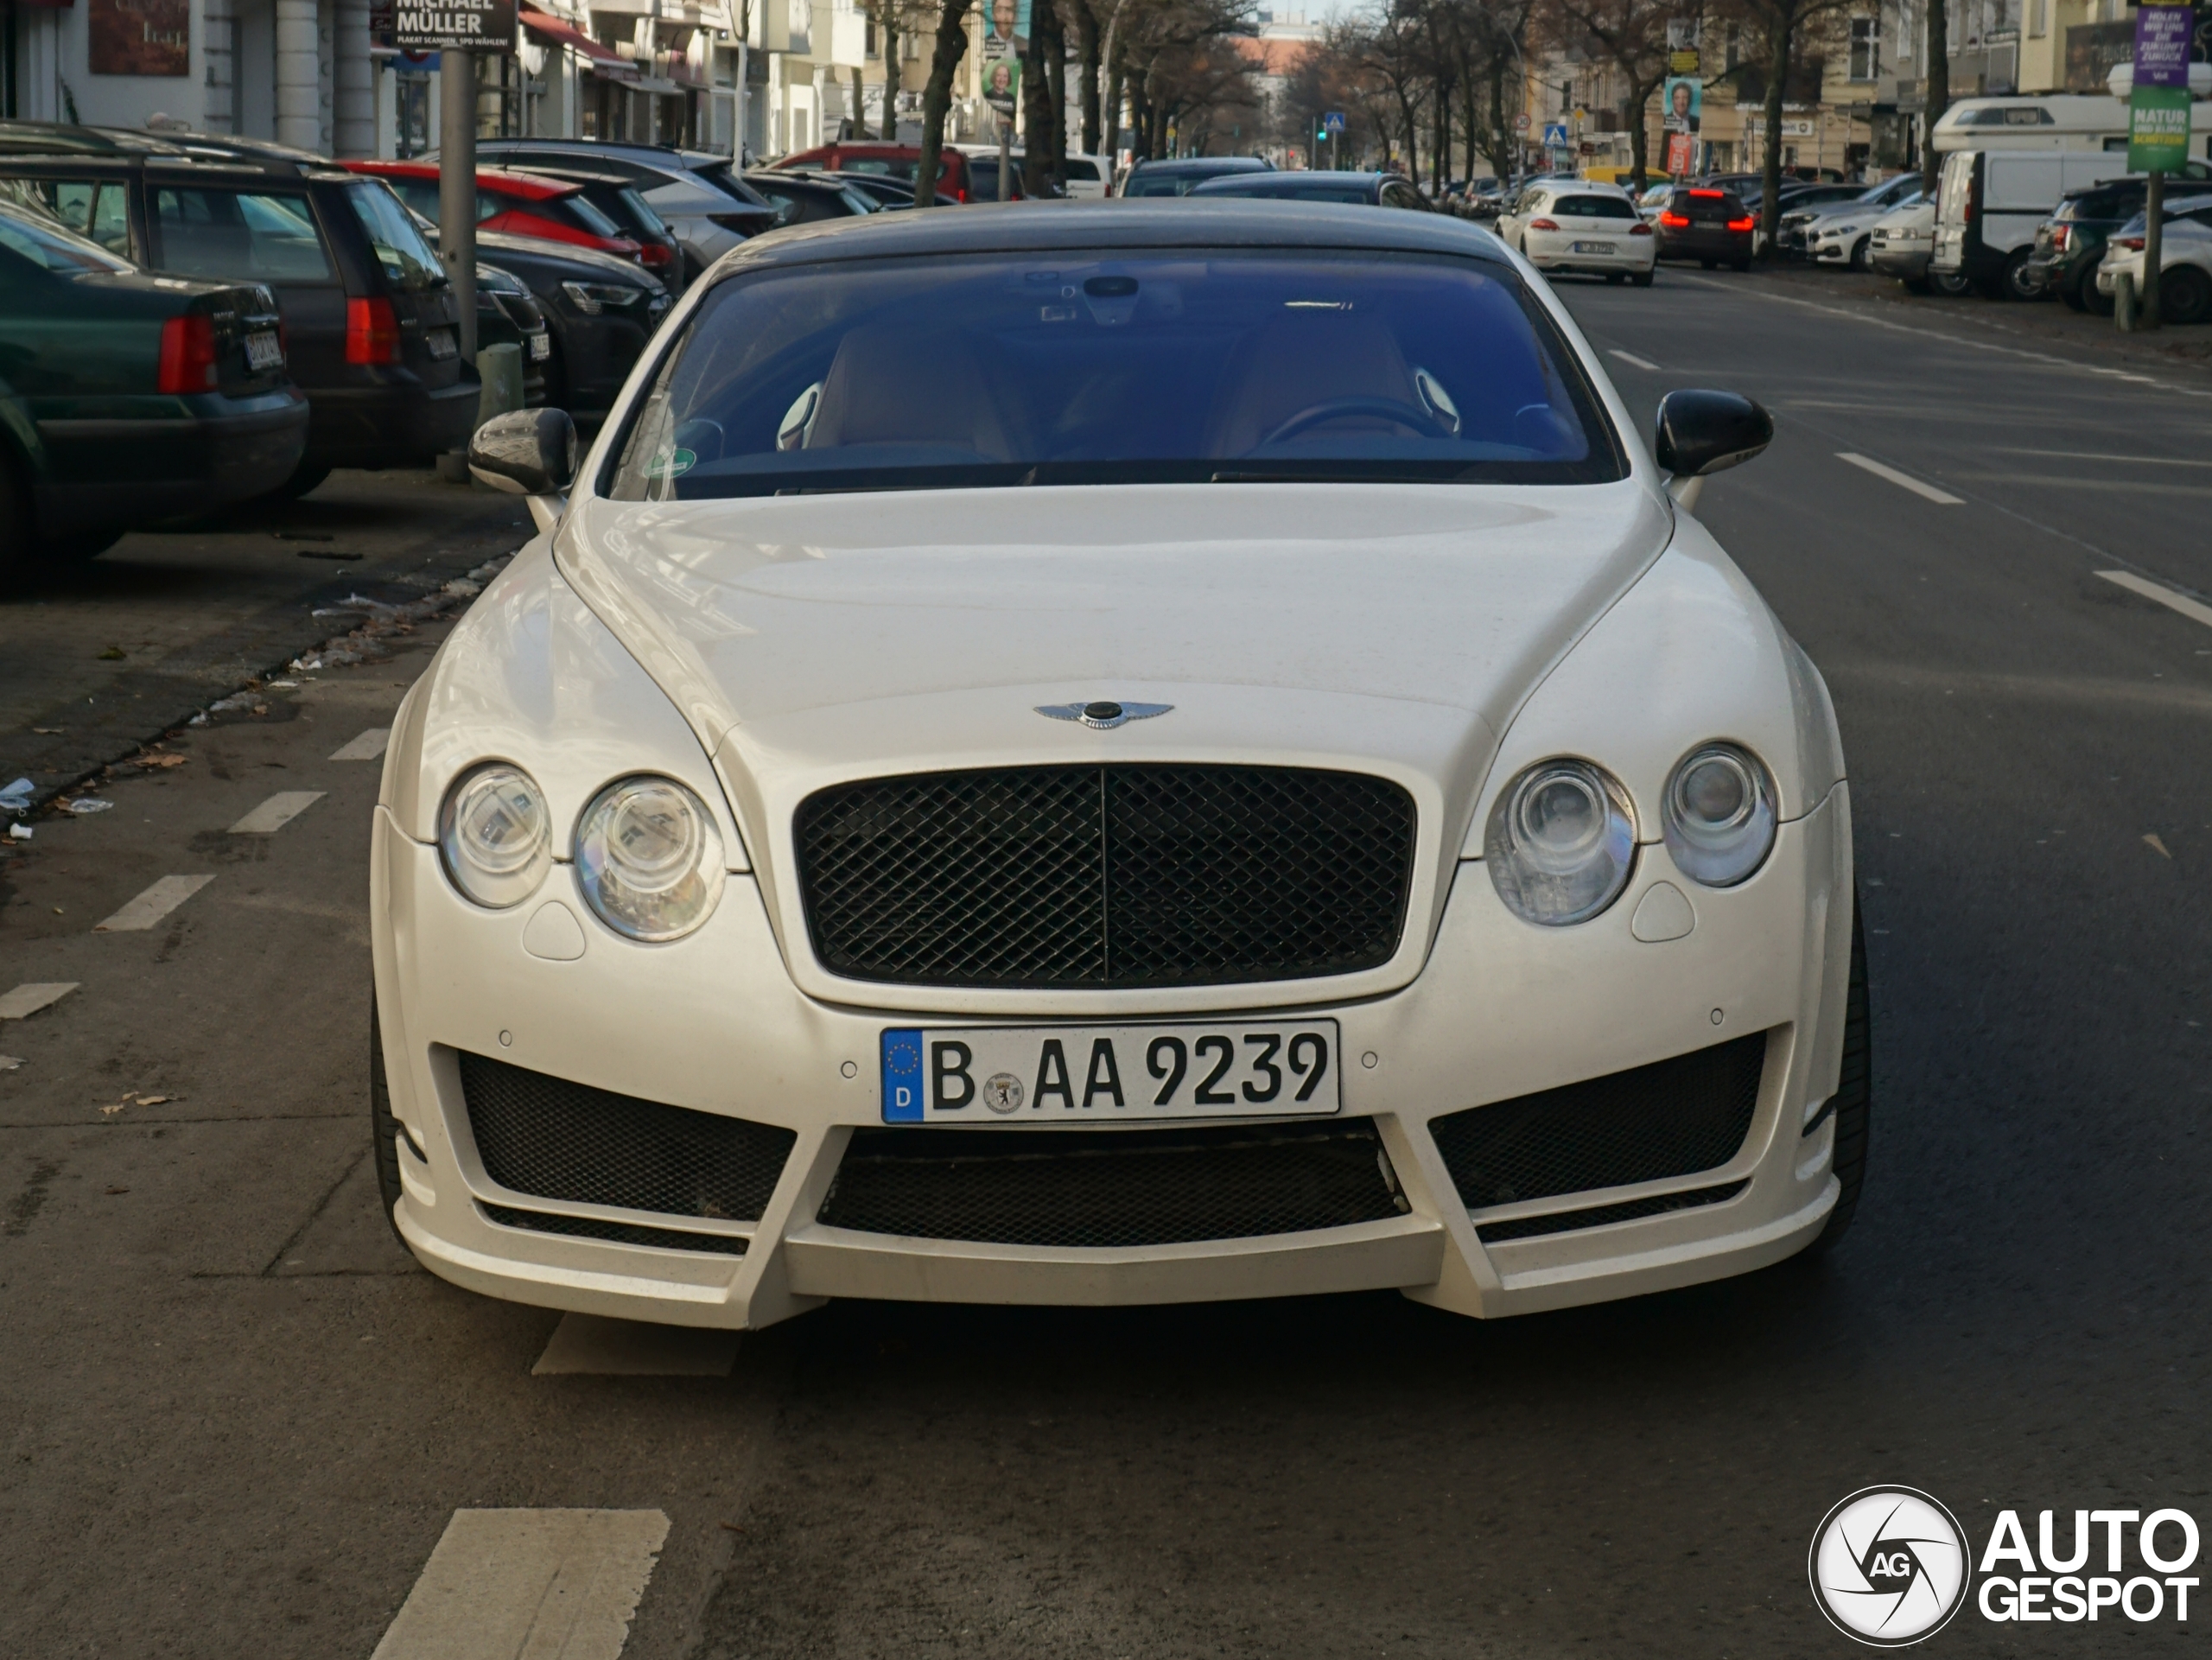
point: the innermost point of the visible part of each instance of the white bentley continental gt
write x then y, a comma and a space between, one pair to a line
1116, 753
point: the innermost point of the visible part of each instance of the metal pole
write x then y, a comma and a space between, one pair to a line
2154, 210
457, 186
1005, 156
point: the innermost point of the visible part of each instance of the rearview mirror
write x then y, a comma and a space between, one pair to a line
526, 452
1703, 432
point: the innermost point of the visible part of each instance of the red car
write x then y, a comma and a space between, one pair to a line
520, 204
891, 161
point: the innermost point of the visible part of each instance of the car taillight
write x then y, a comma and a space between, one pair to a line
2132, 243
960, 196
1543, 225
1743, 224
1674, 222
187, 362
1640, 229
656, 253
371, 332
1715, 194
2062, 238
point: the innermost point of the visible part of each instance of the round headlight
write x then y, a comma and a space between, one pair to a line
1720, 815
648, 858
495, 835
1560, 843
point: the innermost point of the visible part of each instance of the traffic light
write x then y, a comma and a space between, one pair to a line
1322, 137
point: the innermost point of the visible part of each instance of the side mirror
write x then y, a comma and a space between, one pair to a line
1699, 433
526, 452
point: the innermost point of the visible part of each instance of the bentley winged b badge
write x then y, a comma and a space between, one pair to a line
1103, 716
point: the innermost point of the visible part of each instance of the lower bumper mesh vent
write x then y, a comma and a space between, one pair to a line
1111, 1188
1673, 1118
1531, 1227
622, 1233
554, 1139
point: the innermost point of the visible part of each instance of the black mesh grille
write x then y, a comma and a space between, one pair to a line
1106, 876
1111, 1187
623, 1233
1673, 1118
1528, 1227
554, 1139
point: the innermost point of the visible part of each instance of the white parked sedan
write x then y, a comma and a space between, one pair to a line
1148, 753
1594, 229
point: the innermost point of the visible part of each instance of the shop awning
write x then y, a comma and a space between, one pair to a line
601, 60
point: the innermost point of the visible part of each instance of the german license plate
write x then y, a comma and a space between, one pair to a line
440, 342
1593, 247
263, 351
1096, 1074
540, 346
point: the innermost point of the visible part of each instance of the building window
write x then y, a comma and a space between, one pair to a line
1865, 48
1735, 47
2038, 18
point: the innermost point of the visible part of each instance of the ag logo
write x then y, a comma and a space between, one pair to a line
1889, 1566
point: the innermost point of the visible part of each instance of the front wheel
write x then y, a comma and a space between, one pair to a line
1851, 1104
1860, 259
2184, 295
1952, 285
2015, 281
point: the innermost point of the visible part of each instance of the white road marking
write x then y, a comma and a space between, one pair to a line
1631, 359
594, 1345
27, 999
151, 907
274, 813
2194, 610
535, 1585
1905, 480
367, 747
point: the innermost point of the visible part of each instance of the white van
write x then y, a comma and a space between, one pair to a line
2056, 124
1991, 201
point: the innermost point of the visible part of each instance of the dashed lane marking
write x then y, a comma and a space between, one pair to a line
28, 999
274, 813
2194, 610
367, 747
529, 1583
596, 1345
151, 907
1904, 480
1631, 359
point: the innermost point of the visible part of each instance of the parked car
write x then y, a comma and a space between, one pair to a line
1181, 176
1801, 206
1835, 233
983, 173
1993, 203
801, 201
1090, 178
127, 398
709, 209
659, 249
508, 314
955, 167
1901, 244
599, 311
889, 192
517, 203
2069, 245
741, 826
2184, 260
1707, 224
1572, 225
369, 317
1369, 189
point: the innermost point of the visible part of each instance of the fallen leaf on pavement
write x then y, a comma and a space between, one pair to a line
2156, 847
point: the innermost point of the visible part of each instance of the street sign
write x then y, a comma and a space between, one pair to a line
1554, 134
2157, 108
1521, 122
1332, 121
470, 25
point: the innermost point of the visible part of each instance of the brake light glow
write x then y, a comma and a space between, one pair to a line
1674, 222
1641, 229
371, 332
2132, 243
1714, 194
187, 361
1743, 224
1543, 225
655, 253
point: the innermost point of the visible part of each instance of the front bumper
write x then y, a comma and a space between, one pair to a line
713, 1024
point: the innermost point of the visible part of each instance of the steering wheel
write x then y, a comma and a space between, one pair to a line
1408, 415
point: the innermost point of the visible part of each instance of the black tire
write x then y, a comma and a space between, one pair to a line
306, 478
1851, 1104
2184, 295
1916, 285
1707, 264
384, 1129
2014, 283
1742, 265
1642, 279
2098, 305
2071, 293
1955, 285
1861, 254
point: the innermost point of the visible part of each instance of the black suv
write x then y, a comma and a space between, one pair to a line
369, 317
2070, 243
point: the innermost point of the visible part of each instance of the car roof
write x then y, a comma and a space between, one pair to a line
537, 186
1206, 164
1278, 180
1121, 223
1586, 187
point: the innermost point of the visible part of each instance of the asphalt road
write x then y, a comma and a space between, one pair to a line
237, 1419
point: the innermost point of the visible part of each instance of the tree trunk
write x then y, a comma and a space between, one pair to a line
1939, 88
887, 33
1440, 134
1036, 105
1056, 82
1086, 46
1110, 112
1140, 121
1780, 37
937, 96
858, 126
1638, 117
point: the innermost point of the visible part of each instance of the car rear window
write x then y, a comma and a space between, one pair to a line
91, 207
1158, 184
28, 233
1343, 193
1705, 204
642, 212
266, 235
407, 260
884, 166
1594, 208
1077, 167
1183, 366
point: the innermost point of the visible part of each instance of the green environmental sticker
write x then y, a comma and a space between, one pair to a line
672, 464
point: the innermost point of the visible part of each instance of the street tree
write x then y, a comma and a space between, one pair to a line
1630, 38
951, 45
1786, 37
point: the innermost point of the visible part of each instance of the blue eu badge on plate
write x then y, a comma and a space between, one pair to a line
902, 1076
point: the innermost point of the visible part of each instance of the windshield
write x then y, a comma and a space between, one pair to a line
588, 214
1159, 366
26, 231
407, 260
